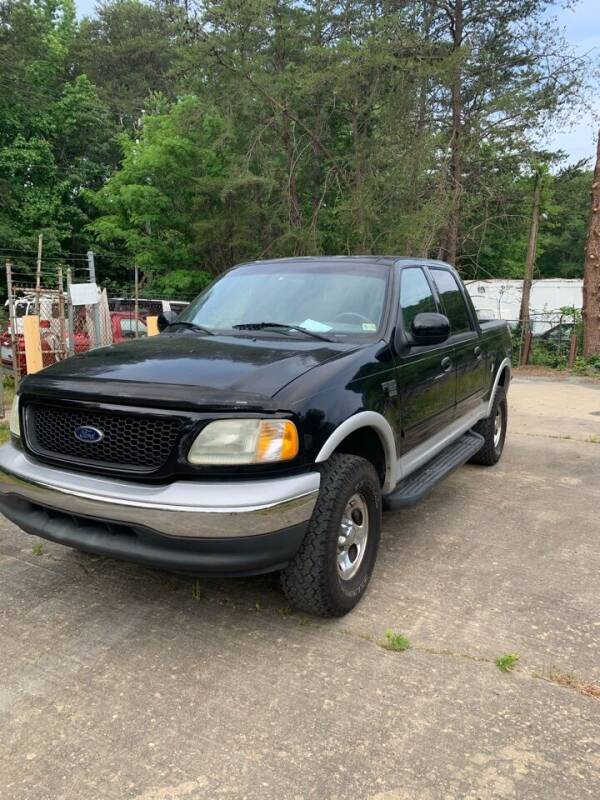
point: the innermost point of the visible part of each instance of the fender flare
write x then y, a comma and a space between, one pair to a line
505, 365
378, 423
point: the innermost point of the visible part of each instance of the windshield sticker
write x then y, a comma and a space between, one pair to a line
313, 325
369, 326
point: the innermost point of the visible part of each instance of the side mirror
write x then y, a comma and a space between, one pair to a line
429, 328
165, 318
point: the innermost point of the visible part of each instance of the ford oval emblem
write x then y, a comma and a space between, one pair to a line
85, 433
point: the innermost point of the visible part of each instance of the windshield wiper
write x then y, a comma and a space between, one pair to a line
192, 326
258, 326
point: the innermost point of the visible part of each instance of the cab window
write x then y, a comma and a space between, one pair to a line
416, 296
453, 301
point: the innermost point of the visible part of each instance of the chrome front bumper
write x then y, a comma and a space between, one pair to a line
184, 509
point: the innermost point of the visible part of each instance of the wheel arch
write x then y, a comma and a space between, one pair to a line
503, 376
357, 435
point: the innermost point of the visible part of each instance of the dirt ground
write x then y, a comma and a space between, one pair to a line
123, 682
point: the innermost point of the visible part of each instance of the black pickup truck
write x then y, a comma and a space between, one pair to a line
267, 426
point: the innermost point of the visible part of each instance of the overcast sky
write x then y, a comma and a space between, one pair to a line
582, 30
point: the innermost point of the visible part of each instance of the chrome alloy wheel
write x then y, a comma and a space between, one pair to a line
497, 427
352, 538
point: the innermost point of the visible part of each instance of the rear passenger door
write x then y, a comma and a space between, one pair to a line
469, 359
426, 376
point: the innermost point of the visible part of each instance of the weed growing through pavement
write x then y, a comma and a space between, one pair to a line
198, 592
583, 687
37, 549
396, 642
507, 662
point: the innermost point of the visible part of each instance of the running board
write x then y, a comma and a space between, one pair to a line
413, 488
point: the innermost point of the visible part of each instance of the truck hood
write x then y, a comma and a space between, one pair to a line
186, 368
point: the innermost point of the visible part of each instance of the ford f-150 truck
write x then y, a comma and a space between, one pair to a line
267, 426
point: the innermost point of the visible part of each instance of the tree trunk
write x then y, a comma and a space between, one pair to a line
280, 57
531, 253
450, 246
591, 271
295, 215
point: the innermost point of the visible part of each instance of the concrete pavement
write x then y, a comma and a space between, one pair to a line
122, 682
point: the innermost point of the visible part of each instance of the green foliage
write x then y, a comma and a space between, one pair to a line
548, 357
165, 205
507, 662
396, 642
562, 235
56, 139
127, 50
187, 137
180, 283
587, 366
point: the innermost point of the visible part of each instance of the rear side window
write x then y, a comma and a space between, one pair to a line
415, 295
453, 301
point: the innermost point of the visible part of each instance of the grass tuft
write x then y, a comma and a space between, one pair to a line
198, 592
396, 642
37, 549
507, 662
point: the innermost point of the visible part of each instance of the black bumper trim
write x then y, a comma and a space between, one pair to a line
247, 555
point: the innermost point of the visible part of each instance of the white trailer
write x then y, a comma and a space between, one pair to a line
501, 299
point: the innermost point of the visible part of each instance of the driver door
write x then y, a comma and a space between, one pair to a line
426, 375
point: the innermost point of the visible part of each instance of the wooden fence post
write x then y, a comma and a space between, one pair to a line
573, 350
527, 348
13, 324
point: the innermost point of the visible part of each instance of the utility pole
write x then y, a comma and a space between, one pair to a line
70, 344
136, 302
531, 252
38, 274
591, 271
13, 323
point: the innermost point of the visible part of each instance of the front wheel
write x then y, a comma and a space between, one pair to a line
331, 570
493, 430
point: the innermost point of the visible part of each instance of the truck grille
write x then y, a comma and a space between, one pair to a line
128, 441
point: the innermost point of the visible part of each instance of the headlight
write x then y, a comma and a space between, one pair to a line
245, 441
15, 427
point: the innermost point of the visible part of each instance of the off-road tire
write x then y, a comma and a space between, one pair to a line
311, 581
491, 452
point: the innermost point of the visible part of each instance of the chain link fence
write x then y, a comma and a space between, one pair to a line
553, 340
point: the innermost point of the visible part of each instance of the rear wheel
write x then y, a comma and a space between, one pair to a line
493, 430
331, 571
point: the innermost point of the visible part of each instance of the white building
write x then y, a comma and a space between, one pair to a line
501, 299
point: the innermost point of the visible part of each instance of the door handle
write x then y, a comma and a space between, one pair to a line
446, 364
477, 352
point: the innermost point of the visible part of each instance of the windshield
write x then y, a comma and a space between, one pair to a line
331, 299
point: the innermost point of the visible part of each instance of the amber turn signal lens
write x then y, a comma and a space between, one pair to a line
277, 440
